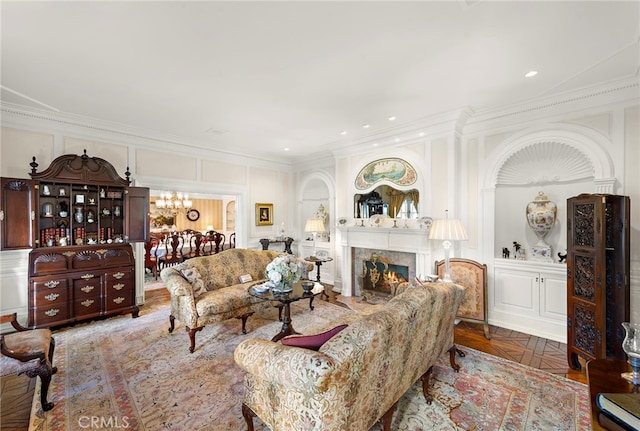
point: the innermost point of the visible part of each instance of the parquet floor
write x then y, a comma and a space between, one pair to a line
17, 391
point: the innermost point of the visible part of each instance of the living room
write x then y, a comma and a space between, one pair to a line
479, 159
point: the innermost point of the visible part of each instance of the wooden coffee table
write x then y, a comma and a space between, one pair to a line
604, 376
285, 299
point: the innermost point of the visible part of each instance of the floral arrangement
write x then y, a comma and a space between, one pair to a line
284, 270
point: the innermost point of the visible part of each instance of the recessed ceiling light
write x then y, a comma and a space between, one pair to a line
375, 145
421, 134
397, 140
286, 149
366, 126
392, 118
531, 73
344, 132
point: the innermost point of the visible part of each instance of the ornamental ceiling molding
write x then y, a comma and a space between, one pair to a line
561, 153
621, 91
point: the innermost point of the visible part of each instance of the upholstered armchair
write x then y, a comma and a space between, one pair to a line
473, 277
28, 352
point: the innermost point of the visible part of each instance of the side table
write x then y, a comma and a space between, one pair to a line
604, 376
319, 261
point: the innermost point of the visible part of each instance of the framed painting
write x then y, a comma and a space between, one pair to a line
264, 214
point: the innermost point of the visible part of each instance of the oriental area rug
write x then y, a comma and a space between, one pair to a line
124, 373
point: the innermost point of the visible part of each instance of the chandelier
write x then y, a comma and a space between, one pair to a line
173, 203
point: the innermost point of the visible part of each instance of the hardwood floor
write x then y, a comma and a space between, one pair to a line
17, 391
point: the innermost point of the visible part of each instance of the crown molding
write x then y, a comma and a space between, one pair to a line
19, 116
620, 91
443, 124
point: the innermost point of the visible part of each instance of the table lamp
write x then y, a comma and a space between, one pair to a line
315, 226
447, 230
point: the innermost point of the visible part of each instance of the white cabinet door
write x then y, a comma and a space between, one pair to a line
529, 297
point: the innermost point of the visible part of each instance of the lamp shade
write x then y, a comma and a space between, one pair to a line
448, 229
314, 225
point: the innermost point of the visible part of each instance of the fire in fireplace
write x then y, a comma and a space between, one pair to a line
382, 277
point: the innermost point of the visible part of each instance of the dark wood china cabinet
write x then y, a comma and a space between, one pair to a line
78, 217
598, 276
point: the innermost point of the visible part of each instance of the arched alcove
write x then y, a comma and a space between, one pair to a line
562, 161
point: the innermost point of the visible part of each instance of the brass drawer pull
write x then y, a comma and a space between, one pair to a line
87, 276
52, 296
51, 284
118, 275
118, 300
87, 289
87, 302
118, 286
52, 312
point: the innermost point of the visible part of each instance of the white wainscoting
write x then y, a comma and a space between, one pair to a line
14, 282
529, 297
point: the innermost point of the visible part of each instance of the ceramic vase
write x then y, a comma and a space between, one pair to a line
541, 217
79, 215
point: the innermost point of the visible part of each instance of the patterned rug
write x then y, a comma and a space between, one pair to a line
132, 374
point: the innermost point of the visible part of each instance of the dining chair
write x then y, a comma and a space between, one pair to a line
232, 240
151, 255
28, 351
218, 239
173, 244
195, 246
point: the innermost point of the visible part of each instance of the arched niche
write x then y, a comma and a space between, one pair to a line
389, 186
317, 194
562, 160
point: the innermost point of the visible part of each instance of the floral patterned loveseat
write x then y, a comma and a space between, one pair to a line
207, 289
358, 375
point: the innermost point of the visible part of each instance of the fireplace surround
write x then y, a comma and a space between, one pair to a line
408, 247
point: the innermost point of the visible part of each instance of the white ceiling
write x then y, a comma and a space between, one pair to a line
258, 77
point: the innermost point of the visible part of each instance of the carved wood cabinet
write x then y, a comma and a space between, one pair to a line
78, 217
68, 284
598, 276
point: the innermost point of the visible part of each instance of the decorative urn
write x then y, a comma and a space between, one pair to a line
541, 217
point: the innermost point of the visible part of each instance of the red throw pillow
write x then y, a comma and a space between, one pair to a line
313, 342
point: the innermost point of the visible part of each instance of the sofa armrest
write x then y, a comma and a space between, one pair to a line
285, 365
176, 284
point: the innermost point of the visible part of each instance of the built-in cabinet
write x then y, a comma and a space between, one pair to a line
598, 287
530, 297
78, 217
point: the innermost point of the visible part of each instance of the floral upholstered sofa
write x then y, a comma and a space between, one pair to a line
356, 377
208, 289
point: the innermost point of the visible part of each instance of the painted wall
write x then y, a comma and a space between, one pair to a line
157, 164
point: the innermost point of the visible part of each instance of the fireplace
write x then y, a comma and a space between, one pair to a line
404, 247
380, 272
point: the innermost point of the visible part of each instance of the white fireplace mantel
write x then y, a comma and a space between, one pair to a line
409, 240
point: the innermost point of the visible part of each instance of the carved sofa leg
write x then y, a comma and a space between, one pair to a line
248, 416
452, 357
244, 321
172, 323
386, 418
425, 385
192, 337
